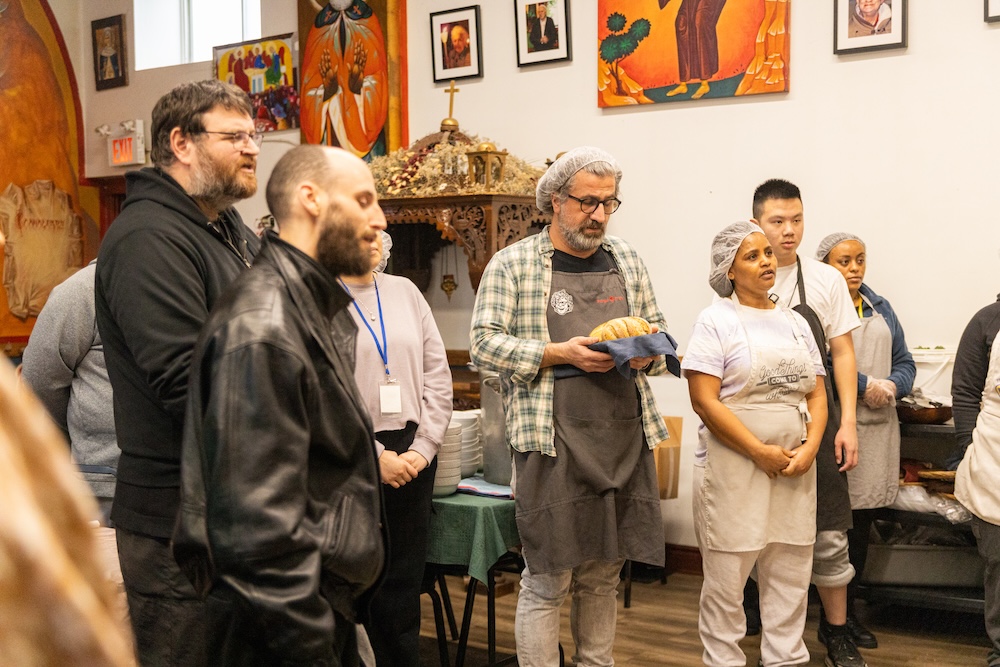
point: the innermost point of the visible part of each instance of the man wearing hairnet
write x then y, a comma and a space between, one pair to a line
584, 474
819, 293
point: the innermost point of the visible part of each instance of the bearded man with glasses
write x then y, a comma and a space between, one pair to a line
581, 430
176, 245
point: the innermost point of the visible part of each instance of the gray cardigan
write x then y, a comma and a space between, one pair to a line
64, 365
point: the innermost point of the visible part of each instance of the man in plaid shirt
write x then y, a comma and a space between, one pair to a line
581, 432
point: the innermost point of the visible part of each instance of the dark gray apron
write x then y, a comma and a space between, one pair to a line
596, 499
833, 500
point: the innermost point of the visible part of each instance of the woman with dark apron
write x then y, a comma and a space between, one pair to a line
752, 372
885, 372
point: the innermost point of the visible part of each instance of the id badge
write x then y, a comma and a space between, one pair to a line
390, 397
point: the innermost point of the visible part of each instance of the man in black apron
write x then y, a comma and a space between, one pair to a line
584, 477
821, 296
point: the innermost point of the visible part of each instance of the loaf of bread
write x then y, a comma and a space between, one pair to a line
621, 327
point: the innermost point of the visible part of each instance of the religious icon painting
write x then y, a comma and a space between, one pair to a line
542, 31
353, 74
455, 44
651, 52
868, 25
265, 70
110, 62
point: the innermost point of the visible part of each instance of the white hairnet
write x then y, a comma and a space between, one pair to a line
563, 169
833, 240
386, 246
725, 245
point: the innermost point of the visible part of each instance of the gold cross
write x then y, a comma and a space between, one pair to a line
451, 90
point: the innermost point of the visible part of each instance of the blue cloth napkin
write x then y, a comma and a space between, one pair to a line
624, 350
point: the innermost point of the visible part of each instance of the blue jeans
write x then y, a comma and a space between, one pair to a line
594, 610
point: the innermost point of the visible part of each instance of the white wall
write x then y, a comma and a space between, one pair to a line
898, 147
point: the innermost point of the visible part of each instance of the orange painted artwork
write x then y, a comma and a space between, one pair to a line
676, 50
47, 214
350, 86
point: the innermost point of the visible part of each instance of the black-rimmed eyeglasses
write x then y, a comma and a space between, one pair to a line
240, 139
590, 204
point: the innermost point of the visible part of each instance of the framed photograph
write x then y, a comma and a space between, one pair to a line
868, 25
265, 69
455, 44
991, 11
110, 56
542, 31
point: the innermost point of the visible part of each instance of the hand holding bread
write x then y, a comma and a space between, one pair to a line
621, 327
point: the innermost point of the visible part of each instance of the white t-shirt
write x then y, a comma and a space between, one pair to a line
719, 347
826, 294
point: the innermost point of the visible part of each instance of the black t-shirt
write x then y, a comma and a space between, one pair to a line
566, 263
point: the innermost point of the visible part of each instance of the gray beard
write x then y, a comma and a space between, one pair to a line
577, 240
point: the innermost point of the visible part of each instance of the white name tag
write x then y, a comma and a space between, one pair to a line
390, 398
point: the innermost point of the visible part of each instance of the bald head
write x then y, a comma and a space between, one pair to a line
325, 204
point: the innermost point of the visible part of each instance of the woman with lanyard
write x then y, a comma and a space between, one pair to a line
404, 378
885, 373
752, 372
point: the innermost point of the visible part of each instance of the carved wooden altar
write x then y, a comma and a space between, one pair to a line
482, 224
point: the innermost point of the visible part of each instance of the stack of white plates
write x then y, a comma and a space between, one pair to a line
449, 470
472, 448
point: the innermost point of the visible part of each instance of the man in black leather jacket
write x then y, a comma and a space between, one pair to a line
280, 520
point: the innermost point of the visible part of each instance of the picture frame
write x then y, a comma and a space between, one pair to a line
991, 11
852, 33
537, 44
265, 70
110, 52
456, 40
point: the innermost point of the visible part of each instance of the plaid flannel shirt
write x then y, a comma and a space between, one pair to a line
510, 330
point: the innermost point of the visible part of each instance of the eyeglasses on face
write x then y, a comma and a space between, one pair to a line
590, 204
240, 139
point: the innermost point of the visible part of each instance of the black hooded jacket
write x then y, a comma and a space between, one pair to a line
160, 269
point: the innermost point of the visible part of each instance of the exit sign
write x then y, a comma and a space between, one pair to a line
127, 147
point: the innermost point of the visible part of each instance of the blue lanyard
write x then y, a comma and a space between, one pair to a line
383, 349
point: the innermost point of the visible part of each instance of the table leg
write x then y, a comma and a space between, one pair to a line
449, 612
463, 640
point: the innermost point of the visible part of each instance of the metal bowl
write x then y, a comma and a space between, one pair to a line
912, 415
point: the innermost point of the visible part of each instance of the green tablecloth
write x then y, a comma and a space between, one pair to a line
473, 531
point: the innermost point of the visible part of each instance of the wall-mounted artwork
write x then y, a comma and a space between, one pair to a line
677, 50
46, 233
110, 52
456, 44
543, 33
265, 70
868, 25
353, 74
991, 11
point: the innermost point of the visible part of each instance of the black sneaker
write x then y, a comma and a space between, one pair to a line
862, 636
841, 651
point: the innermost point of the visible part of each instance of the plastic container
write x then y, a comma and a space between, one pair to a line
923, 565
934, 368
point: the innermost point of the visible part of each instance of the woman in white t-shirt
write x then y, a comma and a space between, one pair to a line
751, 368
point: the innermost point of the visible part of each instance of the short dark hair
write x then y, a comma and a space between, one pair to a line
305, 162
184, 107
774, 188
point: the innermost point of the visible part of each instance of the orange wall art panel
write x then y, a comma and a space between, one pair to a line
652, 51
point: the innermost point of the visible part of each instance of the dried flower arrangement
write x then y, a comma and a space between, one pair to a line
442, 169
